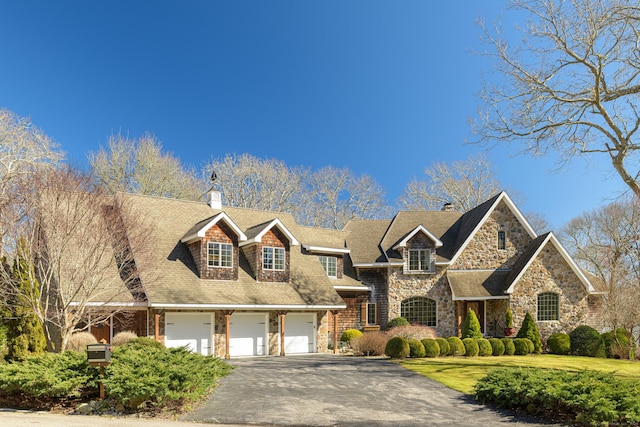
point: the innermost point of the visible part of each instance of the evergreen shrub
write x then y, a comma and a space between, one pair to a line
497, 346
529, 329
445, 348
471, 326
431, 347
349, 335
397, 348
522, 346
471, 348
616, 344
416, 348
484, 347
586, 341
456, 346
559, 343
509, 347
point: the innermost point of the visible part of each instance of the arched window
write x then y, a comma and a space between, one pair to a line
548, 306
419, 310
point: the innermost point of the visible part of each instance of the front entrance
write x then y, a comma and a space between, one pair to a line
478, 307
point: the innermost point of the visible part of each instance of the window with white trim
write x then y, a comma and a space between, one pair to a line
548, 306
219, 254
330, 265
419, 259
272, 258
419, 310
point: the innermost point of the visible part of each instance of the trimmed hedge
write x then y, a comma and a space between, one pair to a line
471, 348
456, 346
484, 347
497, 346
350, 335
586, 341
445, 348
431, 347
416, 348
559, 343
522, 346
585, 397
509, 347
397, 348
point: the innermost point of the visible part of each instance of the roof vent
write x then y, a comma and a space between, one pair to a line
215, 199
447, 207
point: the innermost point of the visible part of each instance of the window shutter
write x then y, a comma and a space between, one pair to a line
378, 318
363, 313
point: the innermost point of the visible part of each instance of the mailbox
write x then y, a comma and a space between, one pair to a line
99, 354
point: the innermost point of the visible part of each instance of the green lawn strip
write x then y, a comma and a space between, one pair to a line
462, 373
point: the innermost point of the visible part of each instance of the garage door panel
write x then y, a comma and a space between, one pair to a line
299, 333
192, 331
248, 334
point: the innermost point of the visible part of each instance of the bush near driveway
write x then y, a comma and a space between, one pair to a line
586, 397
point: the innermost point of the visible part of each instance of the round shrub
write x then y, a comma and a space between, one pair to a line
397, 348
484, 347
471, 348
509, 347
416, 348
559, 343
497, 346
586, 341
522, 346
616, 344
431, 347
397, 321
456, 347
123, 337
350, 335
78, 342
445, 348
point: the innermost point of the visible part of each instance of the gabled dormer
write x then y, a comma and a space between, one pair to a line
214, 244
268, 250
331, 259
418, 250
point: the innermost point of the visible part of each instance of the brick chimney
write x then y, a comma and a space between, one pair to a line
447, 207
215, 199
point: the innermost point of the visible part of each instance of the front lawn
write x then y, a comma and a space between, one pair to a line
462, 373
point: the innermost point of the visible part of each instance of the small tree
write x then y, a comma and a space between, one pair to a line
471, 327
530, 330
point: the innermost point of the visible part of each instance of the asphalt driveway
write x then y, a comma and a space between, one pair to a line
330, 390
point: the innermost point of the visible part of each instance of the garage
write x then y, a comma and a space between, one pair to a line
248, 334
192, 330
300, 333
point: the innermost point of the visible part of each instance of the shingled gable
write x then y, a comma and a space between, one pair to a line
199, 230
256, 233
419, 229
473, 220
532, 252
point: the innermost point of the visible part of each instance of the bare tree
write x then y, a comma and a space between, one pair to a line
337, 196
464, 183
139, 165
571, 83
250, 182
606, 241
71, 233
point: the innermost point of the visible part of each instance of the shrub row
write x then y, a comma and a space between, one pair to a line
587, 341
586, 397
143, 374
400, 347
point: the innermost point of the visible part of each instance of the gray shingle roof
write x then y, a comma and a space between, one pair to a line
472, 284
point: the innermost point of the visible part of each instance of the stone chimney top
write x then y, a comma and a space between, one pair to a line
447, 207
215, 199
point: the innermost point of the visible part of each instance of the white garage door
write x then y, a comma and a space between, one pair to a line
248, 334
193, 330
300, 333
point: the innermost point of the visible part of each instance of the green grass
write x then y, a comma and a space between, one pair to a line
462, 373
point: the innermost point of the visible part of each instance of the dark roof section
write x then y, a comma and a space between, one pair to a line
470, 221
477, 284
525, 258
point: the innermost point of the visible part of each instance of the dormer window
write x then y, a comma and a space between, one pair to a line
273, 258
219, 254
330, 265
419, 260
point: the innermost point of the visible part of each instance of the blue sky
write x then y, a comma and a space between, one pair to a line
383, 88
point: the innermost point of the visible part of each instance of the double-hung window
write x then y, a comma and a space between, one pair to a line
219, 254
330, 265
371, 313
272, 258
419, 259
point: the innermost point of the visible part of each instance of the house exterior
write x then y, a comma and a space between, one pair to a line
241, 282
